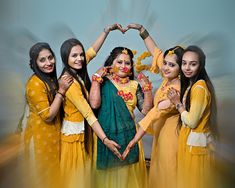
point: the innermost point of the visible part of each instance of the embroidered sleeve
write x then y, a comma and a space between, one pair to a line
198, 105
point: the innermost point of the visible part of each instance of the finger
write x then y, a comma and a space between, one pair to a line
64, 76
116, 145
169, 96
119, 26
125, 153
116, 152
67, 78
131, 25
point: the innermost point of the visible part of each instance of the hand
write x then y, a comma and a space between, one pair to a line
142, 79
103, 71
113, 146
114, 27
128, 148
135, 26
64, 83
174, 96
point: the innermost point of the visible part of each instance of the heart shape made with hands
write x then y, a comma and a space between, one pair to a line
120, 28
129, 26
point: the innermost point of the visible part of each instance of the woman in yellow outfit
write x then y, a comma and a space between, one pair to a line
76, 138
197, 108
163, 117
116, 95
44, 96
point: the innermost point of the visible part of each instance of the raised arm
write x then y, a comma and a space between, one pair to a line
152, 47
101, 38
148, 40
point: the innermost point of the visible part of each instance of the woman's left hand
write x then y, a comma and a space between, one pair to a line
135, 26
114, 27
174, 96
128, 148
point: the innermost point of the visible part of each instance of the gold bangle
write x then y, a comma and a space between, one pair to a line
144, 34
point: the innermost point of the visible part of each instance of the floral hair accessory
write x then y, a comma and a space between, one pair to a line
124, 51
171, 52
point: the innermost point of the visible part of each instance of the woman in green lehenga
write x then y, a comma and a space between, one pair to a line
116, 95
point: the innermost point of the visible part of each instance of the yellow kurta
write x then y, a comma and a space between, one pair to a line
75, 163
46, 136
128, 176
195, 162
163, 167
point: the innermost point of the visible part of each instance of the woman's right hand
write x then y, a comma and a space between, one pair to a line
113, 146
64, 83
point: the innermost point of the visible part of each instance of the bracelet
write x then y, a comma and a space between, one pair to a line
147, 87
61, 94
104, 139
144, 34
178, 106
97, 78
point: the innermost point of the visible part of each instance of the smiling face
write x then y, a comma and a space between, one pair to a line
76, 57
170, 68
45, 61
122, 65
190, 64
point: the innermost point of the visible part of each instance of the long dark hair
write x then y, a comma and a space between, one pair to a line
49, 79
82, 73
113, 55
201, 75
